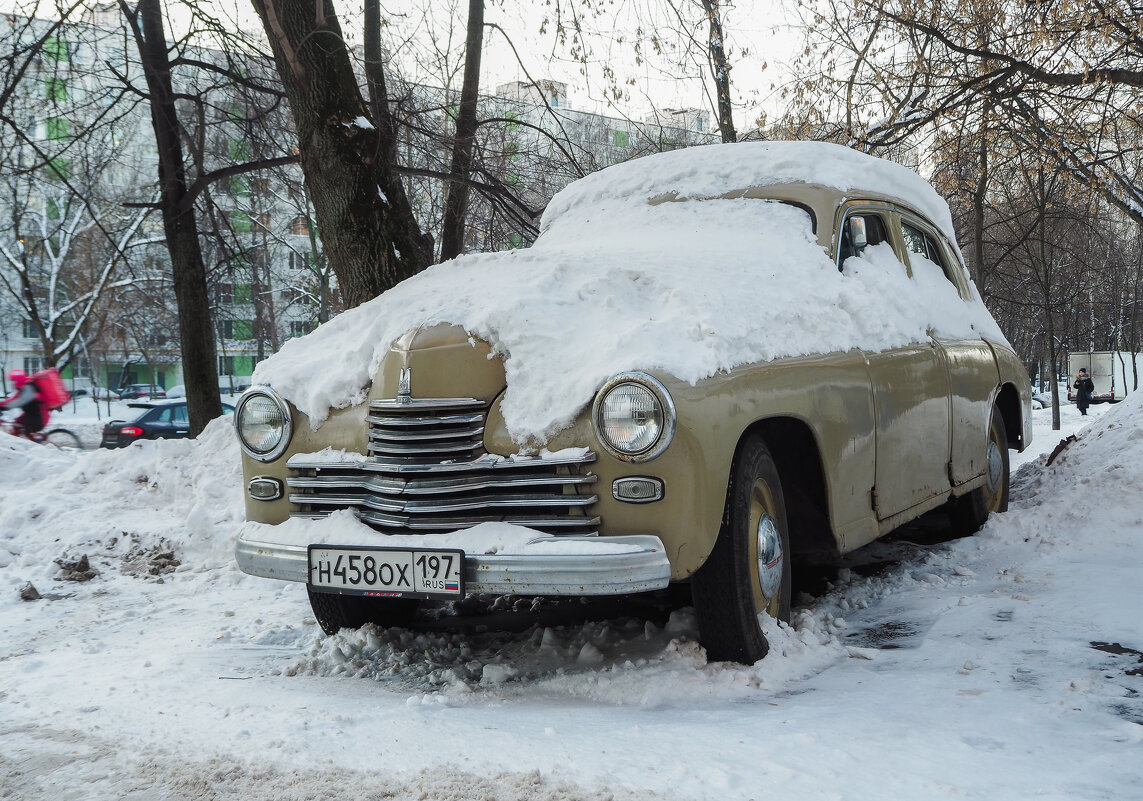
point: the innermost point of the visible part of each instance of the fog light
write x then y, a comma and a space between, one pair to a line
264, 489
638, 489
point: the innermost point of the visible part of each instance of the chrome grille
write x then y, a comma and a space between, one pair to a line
427, 471
434, 429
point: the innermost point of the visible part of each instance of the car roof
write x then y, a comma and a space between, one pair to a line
160, 403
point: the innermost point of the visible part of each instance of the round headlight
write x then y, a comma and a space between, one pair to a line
262, 421
634, 417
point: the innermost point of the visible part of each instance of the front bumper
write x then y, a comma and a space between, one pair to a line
644, 567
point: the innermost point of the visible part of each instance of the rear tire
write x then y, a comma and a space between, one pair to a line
736, 584
969, 512
336, 612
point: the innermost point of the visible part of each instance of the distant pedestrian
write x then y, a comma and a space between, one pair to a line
1084, 388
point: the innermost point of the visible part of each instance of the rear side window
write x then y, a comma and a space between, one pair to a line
923, 247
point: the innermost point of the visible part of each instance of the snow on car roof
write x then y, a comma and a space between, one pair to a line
688, 289
713, 170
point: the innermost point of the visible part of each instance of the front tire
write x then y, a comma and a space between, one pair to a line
63, 439
971, 511
748, 572
335, 612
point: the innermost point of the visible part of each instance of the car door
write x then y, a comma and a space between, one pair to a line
972, 371
910, 389
180, 423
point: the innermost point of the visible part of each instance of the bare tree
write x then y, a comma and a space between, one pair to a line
368, 228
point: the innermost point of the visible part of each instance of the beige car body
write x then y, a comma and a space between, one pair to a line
863, 441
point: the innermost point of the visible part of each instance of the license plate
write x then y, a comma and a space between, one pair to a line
388, 572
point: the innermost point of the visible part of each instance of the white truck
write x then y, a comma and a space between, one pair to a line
1112, 371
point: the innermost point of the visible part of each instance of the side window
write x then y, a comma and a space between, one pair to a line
164, 416
874, 228
923, 244
180, 414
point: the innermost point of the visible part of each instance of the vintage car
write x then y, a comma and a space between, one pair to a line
711, 362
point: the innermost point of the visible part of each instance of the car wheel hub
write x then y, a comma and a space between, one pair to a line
770, 557
995, 467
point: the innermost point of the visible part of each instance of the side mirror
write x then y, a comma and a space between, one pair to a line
857, 237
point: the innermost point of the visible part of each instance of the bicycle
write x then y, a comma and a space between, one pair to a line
57, 437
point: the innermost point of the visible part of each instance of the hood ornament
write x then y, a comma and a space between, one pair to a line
405, 386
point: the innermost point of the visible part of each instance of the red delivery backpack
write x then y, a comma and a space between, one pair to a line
50, 388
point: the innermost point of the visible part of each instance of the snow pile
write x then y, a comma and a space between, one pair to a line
688, 288
152, 498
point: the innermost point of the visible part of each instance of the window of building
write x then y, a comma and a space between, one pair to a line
239, 186
224, 294
299, 328
55, 49
225, 365
239, 330
300, 226
30, 330
55, 128
239, 150
55, 89
58, 168
240, 222
33, 364
620, 139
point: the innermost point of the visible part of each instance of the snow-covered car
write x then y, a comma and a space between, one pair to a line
158, 419
710, 362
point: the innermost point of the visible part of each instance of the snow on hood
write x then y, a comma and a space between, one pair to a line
615, 283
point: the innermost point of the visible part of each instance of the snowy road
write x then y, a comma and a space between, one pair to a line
965, 670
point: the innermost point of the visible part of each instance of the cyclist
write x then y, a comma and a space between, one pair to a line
34, 412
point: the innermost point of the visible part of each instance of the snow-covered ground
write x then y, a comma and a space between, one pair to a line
1002, 666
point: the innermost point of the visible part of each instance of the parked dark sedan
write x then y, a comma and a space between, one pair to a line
160, 419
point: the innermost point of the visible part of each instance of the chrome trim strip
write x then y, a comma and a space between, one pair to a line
482, 463
442, 524
408, 420
396, 405
464, 434
525, 574
468, 503
438, 450
435, 486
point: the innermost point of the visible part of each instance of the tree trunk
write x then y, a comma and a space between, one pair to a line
367, 226
200, 370
720, 70
456, 196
